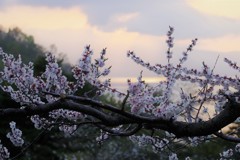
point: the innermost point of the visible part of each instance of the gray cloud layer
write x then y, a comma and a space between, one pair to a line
154, 16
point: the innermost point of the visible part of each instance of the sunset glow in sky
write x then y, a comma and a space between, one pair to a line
137, 25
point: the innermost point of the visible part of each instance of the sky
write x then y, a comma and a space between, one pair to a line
137, 25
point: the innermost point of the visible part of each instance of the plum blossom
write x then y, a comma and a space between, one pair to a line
173, 156
162, 106
40, 122
27, 87
15, 135
68, 129
88, 71
144, 100
64, 113
237, 147
4, 153
55, 81
226, 154
102, 137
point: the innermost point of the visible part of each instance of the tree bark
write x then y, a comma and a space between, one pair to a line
111, 116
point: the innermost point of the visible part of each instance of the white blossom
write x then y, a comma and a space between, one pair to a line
226, 154
4, 153
15, 135
173, 156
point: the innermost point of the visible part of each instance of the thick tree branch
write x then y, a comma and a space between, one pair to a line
89, 101
115, 117
204, 128
29, 111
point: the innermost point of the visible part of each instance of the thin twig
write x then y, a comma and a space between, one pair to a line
125, 100
227, 138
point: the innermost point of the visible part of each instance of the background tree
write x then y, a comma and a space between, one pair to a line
52, 102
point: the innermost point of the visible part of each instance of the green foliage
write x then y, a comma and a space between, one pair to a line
16, 42
208, 150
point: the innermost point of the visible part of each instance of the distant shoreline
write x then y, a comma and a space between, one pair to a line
120, 83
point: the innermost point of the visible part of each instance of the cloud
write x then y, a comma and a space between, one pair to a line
70, 31
143, 16
28, 17
155, 16
222, 8
223, 44
126, 17
118, 42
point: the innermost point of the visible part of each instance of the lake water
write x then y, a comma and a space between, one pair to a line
120, 83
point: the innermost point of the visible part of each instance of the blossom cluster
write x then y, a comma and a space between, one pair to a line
68, 129
169, 41
88, 71
4, 154
226, 154
195, 141
102, 137
15, 135
67, 114
229, 152
173, 156
189, 107
21, 76
162, 106
55, 81
64, 114
157, 143
19, 81
146, 99
232, 64
40, 122
237, 148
